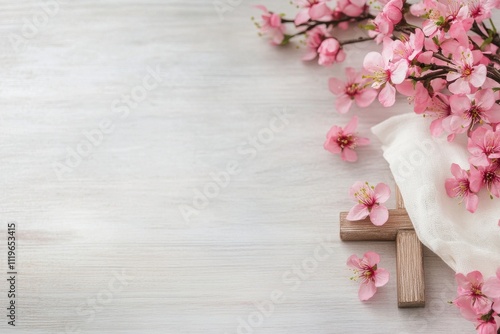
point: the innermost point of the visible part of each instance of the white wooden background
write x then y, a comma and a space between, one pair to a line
117, 212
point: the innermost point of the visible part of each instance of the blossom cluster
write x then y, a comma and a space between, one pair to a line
442, 55
479, 300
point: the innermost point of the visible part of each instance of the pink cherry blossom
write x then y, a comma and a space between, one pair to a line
438, 108
467, 74
370, 200
351, 8
272, 26
470, 294
344, 141
488, 177
354, 89
330, 51
452, 15
467, 111
484, 145
314, 39
366, 270
459, 186
410, 48
491, 288
384, 73
312, 9
382, 27
480, 10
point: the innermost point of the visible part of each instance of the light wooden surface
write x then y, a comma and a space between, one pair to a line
105, 248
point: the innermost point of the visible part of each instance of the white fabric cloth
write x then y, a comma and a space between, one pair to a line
420, 165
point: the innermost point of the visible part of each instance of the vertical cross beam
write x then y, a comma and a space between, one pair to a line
409, 253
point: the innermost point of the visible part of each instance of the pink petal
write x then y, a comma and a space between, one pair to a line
361, 141
451, 187
358, 212
343, 104
336, 86
354, 262
381, 277
379, 215
492, 287
349, 155
318, 11
332, 146
351, 126
372, 258
366, 97
387, 95
367, 290
302, 16
310, 55
471, 203
373, 61
459, 104
356, 187
399, 73
460, 86
478, 76
382, 192
485, 98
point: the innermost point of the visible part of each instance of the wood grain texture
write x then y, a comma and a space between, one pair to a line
364, 230
116, 218
410, 269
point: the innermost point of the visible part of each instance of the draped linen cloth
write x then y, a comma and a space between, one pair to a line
420, 164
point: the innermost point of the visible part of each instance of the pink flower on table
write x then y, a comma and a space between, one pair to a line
384, 73
370, 202
459, 186
470, 294
330, 51
272, 26
353, 8
488, 177
484, 145
344, 141
468, 111
354, 89
312, 9
466, 74
367, 271
491, 288
314, 39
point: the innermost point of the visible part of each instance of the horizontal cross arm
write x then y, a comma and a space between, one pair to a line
364, 230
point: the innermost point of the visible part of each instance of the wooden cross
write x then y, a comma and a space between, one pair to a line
409, 253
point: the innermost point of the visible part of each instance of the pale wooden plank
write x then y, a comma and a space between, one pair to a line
364, 230
410, 269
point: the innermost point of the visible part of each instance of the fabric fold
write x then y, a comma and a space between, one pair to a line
420, 165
